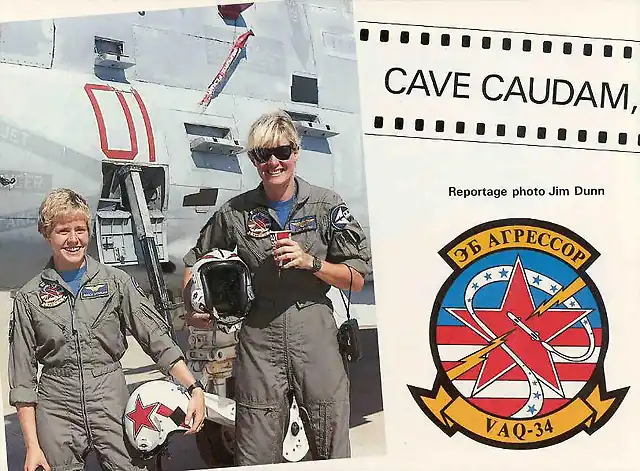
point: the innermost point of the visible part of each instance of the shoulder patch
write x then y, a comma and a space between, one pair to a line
258, 223
306, 223
51, 295
12, 326
137, 286
98, 290
340, 217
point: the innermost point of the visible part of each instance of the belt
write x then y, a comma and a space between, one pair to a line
284, 303
66, 371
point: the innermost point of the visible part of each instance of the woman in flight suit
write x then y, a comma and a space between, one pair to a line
72, 319
288, 341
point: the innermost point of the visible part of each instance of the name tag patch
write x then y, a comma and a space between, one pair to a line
99, 290
307, 223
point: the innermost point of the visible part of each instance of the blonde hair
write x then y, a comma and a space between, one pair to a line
60, 204
267, 130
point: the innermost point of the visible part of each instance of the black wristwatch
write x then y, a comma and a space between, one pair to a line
317, 265
197, 384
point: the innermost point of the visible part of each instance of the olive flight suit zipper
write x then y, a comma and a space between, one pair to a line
74, 331
295, 207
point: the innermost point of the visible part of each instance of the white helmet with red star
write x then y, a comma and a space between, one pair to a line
154, 411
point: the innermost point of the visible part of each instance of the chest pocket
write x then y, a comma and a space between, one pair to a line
252, 249
106, 326
51, 330
306, 231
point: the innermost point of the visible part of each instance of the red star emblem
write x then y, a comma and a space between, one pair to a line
519, 303
140, 416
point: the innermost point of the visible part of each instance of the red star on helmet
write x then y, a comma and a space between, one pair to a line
140, 416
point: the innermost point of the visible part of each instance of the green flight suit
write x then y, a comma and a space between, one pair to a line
81, 395
288, 341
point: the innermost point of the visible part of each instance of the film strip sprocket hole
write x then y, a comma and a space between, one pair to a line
430, 83
501, 40
549, 136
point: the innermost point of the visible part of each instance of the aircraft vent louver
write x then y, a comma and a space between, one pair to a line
110, 53
314, 129
212, 139
215, 145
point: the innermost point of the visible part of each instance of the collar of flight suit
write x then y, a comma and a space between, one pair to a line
259, 198
303, 193
51, 274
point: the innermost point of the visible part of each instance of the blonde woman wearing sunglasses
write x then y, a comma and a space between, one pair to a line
288, 341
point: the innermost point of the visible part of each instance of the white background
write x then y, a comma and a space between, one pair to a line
412, 216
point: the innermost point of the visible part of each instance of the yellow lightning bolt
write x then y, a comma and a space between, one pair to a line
561, 296
472, 360
475, 358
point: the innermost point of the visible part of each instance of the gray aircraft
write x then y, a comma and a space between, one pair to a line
146, 113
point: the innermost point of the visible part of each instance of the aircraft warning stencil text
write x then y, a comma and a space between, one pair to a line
517, 88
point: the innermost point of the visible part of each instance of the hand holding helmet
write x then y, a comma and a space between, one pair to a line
199, 320
195, 412
199, 316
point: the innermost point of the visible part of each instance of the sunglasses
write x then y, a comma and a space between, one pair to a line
263, 154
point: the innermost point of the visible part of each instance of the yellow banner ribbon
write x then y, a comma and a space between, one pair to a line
579, 414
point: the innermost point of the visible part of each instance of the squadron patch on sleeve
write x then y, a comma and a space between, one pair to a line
51, 295
258, 223
99, 290
307, 223
340, 217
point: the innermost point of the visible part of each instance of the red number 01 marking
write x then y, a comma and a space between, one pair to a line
120, 154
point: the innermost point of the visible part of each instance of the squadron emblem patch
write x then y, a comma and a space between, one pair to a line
258, 223
51, 295
519, 334
340, 217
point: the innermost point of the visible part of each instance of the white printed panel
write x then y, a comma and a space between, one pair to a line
461, 131
501, 87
